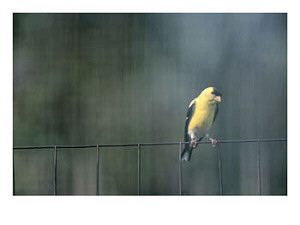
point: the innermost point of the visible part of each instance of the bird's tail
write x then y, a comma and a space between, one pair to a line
187, 153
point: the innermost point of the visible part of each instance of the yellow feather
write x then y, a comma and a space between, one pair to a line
204, 112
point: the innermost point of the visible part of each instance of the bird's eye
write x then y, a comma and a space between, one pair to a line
212, 92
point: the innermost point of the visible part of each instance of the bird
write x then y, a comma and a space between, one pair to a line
201, 114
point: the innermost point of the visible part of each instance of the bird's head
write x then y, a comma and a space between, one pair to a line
211, 94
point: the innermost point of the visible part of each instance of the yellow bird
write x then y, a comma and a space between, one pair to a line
200, 116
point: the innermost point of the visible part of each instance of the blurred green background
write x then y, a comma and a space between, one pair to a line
128, 78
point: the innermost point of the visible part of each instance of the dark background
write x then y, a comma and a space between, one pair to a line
129, 78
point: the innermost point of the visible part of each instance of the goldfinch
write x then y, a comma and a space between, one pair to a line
200, 116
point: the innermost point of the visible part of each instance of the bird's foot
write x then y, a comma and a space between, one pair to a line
193, 143
213, 141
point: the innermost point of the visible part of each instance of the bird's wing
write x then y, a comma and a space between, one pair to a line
216, 112
189, 115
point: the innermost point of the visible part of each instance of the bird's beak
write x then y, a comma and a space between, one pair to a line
218, 98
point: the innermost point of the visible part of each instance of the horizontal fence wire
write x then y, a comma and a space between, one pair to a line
153, 144
138, 145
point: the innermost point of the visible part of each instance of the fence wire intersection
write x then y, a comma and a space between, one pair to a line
139, 145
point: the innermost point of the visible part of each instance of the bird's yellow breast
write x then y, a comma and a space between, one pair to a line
203, 116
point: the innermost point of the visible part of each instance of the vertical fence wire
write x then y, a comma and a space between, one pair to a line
97, 172
179, 168
14, 180
55, 170
258, 161
138, 169
258, 168
220, 171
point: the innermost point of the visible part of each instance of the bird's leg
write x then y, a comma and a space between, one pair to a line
193, 143
213, 141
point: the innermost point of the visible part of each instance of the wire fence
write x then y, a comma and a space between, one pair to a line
139, 147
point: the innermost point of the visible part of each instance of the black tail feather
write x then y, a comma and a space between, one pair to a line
186, 154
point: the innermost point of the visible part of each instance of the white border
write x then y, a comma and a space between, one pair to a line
148, 210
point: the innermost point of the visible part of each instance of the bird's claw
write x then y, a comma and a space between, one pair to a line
193, 144
213, 141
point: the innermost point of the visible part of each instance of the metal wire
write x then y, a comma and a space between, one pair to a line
220, 172
179, 169
139, 168
55, 170
258, 169
14, 178
152, 144
97, 171
139, 158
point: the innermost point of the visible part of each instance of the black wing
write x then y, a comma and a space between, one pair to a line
189, 115
216, 112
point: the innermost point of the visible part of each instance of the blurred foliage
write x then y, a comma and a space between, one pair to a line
129, 78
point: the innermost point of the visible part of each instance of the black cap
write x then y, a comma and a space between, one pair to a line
216, 92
